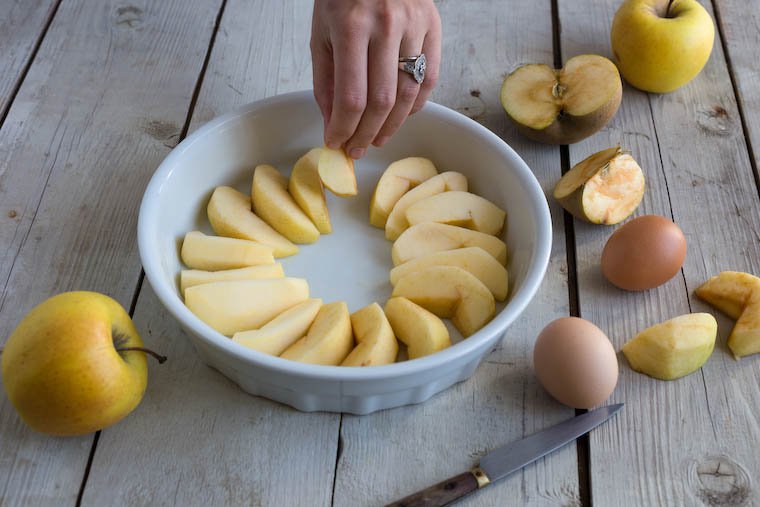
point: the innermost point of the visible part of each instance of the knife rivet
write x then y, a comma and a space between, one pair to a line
480, 476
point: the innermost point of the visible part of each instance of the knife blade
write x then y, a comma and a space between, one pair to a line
509, 458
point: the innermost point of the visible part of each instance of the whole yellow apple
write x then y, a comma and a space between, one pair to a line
661, 45
75, 364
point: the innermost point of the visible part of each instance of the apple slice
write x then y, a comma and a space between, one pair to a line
376, 343
430, 237
306, 189
563, 106
329, 339
474, 260
241, 305
400, 177
336, 170
674, 348
397, 222
744, 339
449, 292
213, 253
272, 202
193, 277
729, 291
229, 212
458, 208
420, 330
604, 188
281, 332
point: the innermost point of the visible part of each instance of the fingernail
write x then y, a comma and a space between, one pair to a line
381, 141
357, 153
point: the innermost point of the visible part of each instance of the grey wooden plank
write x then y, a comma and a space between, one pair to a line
394, 453
663, 447
198, 439
22, 25
108, 91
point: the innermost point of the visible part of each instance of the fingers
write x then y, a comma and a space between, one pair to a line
382, 76
432, 50
350, 89
322, 69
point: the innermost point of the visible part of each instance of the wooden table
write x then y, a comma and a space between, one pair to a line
95, 93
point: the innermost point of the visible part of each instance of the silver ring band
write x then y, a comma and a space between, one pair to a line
414, 65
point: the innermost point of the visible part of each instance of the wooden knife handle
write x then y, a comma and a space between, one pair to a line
442, 493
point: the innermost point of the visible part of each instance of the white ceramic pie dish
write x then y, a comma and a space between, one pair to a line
352, 263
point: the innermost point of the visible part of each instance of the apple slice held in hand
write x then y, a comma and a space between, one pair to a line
306, 188
214, 253
421, 331
229, 212
281, 332
462, 209
192, 277
449, 292
563, 106
376, 343
604, 188
430, 237
272, 202
397, 222
400, 177
336, 170
329, 340
229, 307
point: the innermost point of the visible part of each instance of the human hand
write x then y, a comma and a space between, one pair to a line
355, 47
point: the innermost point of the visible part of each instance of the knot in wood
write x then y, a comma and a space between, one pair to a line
719, 480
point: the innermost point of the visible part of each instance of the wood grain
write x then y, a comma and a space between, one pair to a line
391, 454
697, 172
108, 90
198, 439
22, 26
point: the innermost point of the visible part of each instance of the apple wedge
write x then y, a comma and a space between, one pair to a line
474, 260
604, 188
229, 212
214, 253
430, 237
281, 332
563, 106
744, 339
193, 277
400, 177
336, 170
306, 188
397, 222
240, 305
272, 202
462, 209
329, 339
376, 343
420, 330
449, 292
674, 348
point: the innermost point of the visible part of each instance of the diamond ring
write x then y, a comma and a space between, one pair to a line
414, 65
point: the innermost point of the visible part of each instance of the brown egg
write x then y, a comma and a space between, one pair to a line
644, 253
575, 362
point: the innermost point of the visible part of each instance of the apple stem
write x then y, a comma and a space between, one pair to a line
161, 359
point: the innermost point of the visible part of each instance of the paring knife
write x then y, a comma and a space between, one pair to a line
501, 462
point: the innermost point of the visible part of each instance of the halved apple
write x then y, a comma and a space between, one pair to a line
193, 277
397, 222
604, 188
449, 292
462, 209
213, 253
281, 332
376, 343
329, 339
272, 202
306, 189
563, 106
241, 305
430, 237
420, 330
474, 260
336, 170
400, 177
229, 212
